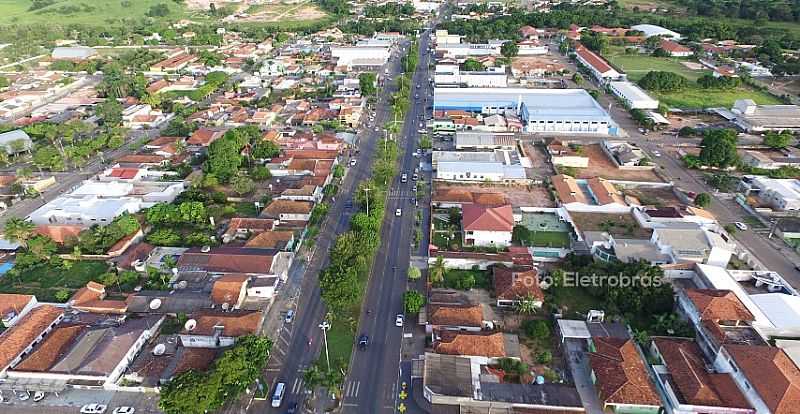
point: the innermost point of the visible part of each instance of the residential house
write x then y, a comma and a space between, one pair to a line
492, 345
230, 290
692, 243
15, 142
92, 298
226, 260
675, 49
455, 317
213, 329
14, 306
17, 341
487, 225
288, 210
622, 382
515, 284
203, 137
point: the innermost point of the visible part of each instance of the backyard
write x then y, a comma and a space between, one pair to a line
45, 280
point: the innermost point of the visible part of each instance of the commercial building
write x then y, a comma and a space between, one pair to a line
354, 58
633, 96
650, 30
451, 75
779, 193
496, 166
466, 50
752, 117
485, 141
599, 68
571, 111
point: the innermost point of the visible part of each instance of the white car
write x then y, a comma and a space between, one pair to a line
124, 410
656, 154
93, 408
398, 212
741, 226
399, 320
353, 162
38, 396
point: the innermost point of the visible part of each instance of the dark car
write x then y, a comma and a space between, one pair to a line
363, 341
292, 408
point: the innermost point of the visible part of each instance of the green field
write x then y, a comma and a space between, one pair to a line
710, 98
637, 65
44, 281
92, 12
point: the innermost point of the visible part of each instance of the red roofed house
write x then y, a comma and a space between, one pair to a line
214, 329
487, 226
513, 284
675, 49
767, 375
29, 330
600, 69
621, 379
14, 306
230, 289
687, 383
204, 137
92, 298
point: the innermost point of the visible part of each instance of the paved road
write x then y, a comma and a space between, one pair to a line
374, 380
292, 354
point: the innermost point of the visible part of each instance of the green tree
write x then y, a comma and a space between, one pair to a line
509, 49
473, 65
265, 150
526, 304
537, 329
414, 273
778, 139
19, 231
413, 301
62, 295
437, 271
577, 78
718, 148
544, 357
662, 81
110, 111
242, 184
702, 200
260, 173
366, 82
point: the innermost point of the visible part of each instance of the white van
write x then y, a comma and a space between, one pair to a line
277, 397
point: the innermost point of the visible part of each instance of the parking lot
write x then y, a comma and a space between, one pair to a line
71, 401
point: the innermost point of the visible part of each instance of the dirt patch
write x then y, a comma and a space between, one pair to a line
618, 225
518, 195
656, 197
284, 12
601, 166
692, 65
540, 168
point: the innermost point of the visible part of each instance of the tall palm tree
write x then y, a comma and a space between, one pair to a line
436, 274
19, 230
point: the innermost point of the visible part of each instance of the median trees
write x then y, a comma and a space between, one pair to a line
413, 301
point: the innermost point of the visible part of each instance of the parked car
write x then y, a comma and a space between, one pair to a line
741, 226
277, 396
94, 408
363, 341
38, 396
289, 316
353, 162
25, 396
124, 410
399, 320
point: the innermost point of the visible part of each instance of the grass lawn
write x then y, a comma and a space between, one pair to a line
637, 65
548, 239
439, 240
44, 281
452, 276
709, 98
573, 300
94, 12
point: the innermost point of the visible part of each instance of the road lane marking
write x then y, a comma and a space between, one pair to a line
298, 386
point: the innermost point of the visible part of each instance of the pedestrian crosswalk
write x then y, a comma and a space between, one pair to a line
398, 193
351, 389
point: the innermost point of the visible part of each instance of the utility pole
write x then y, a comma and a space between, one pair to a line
366, 190
325, 326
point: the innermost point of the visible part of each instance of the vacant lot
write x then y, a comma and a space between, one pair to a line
518, 195
601, 166
91, 12
280, 12
44, 281
696, 98
618, 225
657, 197
637, 65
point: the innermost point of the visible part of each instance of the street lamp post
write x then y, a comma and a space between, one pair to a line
366, 196
325, 326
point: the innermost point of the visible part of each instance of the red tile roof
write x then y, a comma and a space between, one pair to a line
593, 59
228, 288
482, 218
471, 316
673, 47
14, 340
773, 374
621, 375
718, 304
516, 283
695, 385
12, 302
470, 344
91, 298
52, 349
204, 137
124, 173
59, 233
234, 324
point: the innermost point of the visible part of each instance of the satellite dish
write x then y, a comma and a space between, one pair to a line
155, 304
226, 306
182, 284
190, 325
159, 349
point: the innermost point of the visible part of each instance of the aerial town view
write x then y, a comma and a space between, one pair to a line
400, 206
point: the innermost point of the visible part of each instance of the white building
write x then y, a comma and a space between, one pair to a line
633, 96
757, 118
487, 226
496, 166
692, 243
442, 37
650, 30
452, 75
600, 69
492, 48
571, 111
532, 47
360, 57
779, 193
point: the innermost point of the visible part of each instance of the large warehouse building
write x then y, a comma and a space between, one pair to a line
542, 110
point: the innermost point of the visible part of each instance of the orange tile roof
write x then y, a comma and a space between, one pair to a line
515, 283
593, 59
605, 192
773, 374
227, 288
12, 302
197, 359
481, 218
59, 233
620, 372
457, 315
470, 344
697, 386
14, 340
568, 190
90, 298
235, 324
277, 207
270, 239
204, 137
52, 349
718, 304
